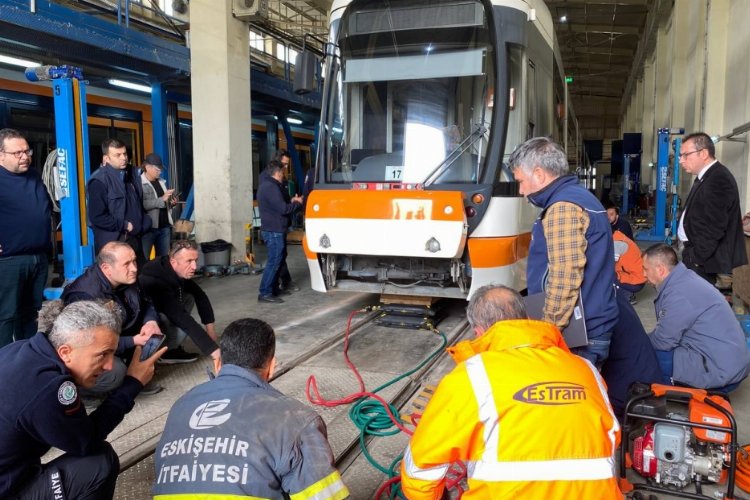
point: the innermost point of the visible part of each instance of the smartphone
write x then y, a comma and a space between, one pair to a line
151, 346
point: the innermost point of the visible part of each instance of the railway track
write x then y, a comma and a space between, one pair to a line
380, 354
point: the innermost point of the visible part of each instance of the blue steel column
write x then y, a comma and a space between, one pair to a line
657, 232
675, 182
76, 255
159, 125
291, 146
626, 185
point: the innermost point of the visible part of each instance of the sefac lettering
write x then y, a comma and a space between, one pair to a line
551, 393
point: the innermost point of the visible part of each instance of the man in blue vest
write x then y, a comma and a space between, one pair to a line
115, 206
571, 254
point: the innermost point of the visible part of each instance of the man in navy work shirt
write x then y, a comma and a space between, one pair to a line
24, 239
46, 409
276, 208
238, 437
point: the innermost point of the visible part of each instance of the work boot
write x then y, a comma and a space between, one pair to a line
723, 281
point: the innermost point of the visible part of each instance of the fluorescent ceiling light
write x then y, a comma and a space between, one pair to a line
563, 19
129, 85
294, 121
15, 61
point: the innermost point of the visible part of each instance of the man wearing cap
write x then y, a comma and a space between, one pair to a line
157, 202
115, 197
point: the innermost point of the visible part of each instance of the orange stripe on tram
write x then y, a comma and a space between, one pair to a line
386, 205
496, 252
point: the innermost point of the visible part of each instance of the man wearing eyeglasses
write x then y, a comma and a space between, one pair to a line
25, 239
115, 201
711, 222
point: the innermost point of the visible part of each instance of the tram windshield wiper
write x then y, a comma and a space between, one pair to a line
454, 155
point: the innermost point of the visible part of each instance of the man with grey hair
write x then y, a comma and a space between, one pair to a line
46, 410
516, 374
571, 252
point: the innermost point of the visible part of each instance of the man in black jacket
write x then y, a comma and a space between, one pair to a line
276, 208
168, 280
113, 278
45, 410
711, 222
115, 201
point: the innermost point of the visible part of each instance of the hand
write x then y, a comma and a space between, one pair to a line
143, 371
167, 195
141, 338
129, 227
150, 327
211, 331
297, 199
216, 354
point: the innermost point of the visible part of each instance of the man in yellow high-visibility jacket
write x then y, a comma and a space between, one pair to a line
529, 419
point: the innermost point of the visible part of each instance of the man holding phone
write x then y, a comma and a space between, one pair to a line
158, 202
46, 409
113, 278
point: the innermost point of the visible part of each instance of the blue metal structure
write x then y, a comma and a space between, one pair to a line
71, 132
66, 32
659, 230
675, 182
291, 147
159, 124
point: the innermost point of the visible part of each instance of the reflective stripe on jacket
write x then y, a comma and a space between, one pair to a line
238, 437
529, 419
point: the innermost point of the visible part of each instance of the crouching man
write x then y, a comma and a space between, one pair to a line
530, 419
45, 410
236, 436
697, 338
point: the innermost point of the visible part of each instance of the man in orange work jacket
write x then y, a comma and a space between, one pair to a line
628, 266
529, 418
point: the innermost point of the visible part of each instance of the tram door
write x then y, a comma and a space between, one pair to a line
127, 132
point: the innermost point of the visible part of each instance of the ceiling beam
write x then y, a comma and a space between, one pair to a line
606, 51
614, 29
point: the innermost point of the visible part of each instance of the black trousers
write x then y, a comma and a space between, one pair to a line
92, 477
689, 260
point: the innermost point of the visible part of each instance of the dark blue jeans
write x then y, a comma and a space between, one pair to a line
22, 282
597, 349
276, 270
666, 363
160, 238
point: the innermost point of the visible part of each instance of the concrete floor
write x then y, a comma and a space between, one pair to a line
302, 321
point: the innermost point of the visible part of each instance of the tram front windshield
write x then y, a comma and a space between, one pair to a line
412, 95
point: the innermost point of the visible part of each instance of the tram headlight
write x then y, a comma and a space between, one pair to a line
448, 210
316, 208
432, 245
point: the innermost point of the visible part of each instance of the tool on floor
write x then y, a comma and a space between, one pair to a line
678, 436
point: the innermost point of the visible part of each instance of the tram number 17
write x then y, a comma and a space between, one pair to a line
393, 173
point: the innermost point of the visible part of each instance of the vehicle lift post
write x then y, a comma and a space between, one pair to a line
72, 139
659, 230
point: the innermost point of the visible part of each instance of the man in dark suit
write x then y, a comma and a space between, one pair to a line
711, 222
